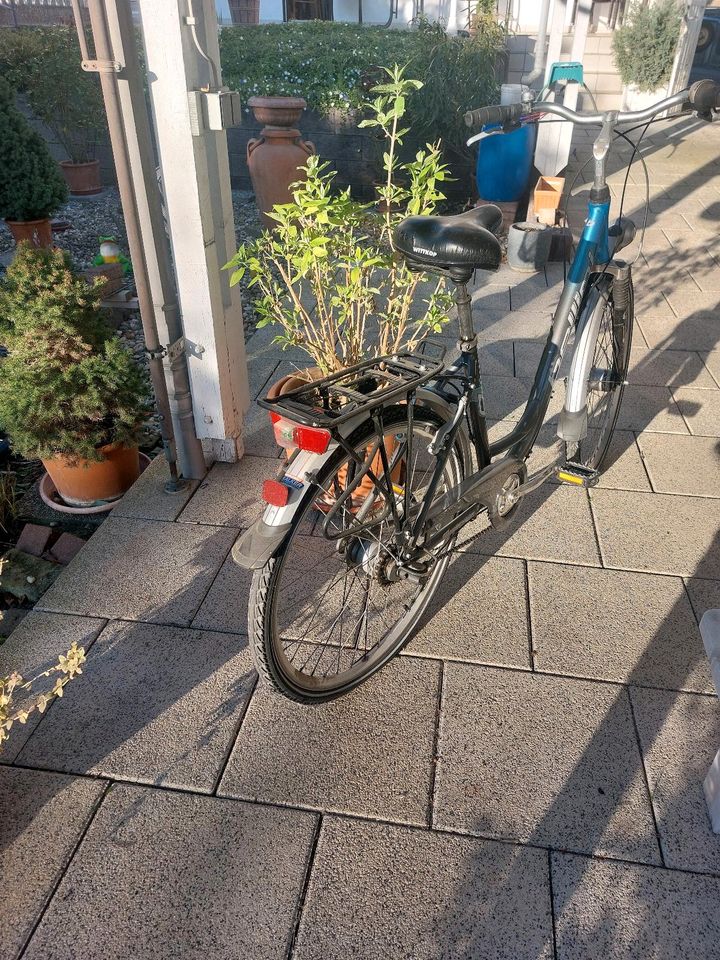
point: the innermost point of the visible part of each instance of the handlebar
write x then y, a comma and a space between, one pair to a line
703, 96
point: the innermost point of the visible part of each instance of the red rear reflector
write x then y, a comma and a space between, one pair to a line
275, 493
274, 417
313, 439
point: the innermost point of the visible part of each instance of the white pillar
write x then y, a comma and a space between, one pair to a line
687, 45
196, 186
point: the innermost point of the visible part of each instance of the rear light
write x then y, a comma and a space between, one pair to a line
275, 493
314, 439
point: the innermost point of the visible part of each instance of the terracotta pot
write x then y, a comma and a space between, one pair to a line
37, 232
245, 11
274, 158
83, 179
86, 482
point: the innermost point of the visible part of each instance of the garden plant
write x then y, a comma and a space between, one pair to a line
644, 46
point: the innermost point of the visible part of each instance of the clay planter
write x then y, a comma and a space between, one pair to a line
36, 232
85, 483
274, 157
83, 179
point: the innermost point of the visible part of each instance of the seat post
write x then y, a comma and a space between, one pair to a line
464, 311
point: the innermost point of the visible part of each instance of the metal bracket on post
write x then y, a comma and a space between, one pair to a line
101, 66
176, 349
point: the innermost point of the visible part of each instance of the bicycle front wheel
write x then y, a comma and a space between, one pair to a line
335, 605
608, 371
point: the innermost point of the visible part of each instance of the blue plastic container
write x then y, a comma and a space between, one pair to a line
503, 163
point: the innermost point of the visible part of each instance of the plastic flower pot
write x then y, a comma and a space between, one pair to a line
528, 246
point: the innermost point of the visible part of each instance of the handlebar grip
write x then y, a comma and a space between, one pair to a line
509, 113
704, 96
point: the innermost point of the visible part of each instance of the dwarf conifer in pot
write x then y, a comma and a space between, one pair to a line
70, 393
31, 186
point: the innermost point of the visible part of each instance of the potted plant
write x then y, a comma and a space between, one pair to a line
31, 188
69, 102
70, 394
644, 48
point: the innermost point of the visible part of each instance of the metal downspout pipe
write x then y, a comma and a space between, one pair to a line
193, 461
538, 70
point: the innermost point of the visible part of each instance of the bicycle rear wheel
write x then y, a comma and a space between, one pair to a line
334, 606
608, 372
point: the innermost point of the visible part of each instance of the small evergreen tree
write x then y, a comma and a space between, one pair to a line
31, 185
644, 46
67, 386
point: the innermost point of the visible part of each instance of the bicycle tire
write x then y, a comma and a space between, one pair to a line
611, 355
266, 638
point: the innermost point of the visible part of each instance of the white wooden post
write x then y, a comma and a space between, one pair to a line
196, 186
687, 45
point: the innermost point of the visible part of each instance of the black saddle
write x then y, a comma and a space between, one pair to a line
457, 245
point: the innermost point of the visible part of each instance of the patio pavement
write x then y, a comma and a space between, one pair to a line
524, 782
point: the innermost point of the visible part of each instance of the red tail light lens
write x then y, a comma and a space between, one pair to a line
275, 493
314, 439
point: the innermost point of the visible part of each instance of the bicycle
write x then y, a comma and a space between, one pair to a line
393, 458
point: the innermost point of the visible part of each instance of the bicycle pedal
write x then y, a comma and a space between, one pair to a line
577, 475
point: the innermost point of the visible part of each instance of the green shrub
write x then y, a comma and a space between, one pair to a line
67, 386
644, 46
31, 186
44, 65
333, 66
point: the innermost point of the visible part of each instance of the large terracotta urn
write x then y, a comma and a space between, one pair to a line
275, 156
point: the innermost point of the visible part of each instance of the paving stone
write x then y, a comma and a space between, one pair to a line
697, 332
632, 627
34, 539
686, 302
526, 324
66, 547
33, 648
154, 705
651, 409
658, 533
505, 398
671, 368
494, 298
700, 410
553, 523
147, 499
711, 359
260, 371
679, 737
226, 605
369, 753
258, 436
10, 618
142, 570
261, 346
622, 911
677, 464
544, 760
623, 467
42, 816
704, 595
479, 613
231, 493
424, 896
173, 875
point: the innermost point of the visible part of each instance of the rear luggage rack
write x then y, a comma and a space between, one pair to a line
333, 400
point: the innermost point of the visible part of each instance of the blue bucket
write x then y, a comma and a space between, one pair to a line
504, 162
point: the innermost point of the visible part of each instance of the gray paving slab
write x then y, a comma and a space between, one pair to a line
658, 533
261, 345
155, 705
258, 437
700, 410
650, 409
42, 817
622, 911
611, 625
34, 647
260, 371
623, 468
380, 892
668, 368
147, 499
687, 302
711, 359
544, 760
496, 356
141, 570
704, 595
226, 605
679, 737
495, 298
231, 493
174, 875
525, 324
554, 523
678, 464
369, 753
479, 613
505, 398
696, 332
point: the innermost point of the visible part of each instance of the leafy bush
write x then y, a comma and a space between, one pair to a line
67, 386
333, 66
44, 64
644, 46
327, 275
31, 187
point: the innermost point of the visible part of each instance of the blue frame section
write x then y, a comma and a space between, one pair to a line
594, 246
